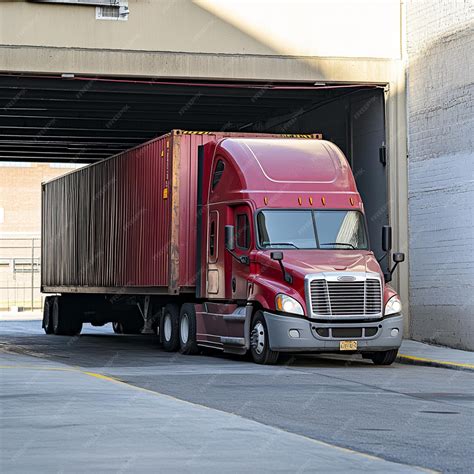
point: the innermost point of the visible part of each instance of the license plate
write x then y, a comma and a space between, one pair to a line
348, 345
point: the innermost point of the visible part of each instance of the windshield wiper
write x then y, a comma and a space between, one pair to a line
271, 244
339, 243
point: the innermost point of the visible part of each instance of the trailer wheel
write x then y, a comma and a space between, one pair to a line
65, 320
169, 328
187, 329
48, 315
384, 357
259, 342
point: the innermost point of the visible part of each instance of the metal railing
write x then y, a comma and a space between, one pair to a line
20, 260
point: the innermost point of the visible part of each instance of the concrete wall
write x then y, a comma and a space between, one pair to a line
344, 28
441, 170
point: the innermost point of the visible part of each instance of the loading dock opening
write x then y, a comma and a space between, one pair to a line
85, 119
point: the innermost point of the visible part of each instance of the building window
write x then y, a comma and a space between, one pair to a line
67, 165
15, 164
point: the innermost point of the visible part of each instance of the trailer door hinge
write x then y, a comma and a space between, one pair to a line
383, 155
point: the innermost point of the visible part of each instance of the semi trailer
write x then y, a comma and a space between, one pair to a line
236, 242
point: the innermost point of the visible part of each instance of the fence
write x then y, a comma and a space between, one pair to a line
20, 260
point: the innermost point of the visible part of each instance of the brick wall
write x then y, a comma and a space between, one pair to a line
20, 223
441, 170
20, 197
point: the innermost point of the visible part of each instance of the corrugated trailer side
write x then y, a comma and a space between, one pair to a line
127, 224
106, 227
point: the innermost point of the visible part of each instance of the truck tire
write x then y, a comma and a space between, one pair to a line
169, 328
117, 327
65, 320
259, 342
384, 357
48, 315
187, 330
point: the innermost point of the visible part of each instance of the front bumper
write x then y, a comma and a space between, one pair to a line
280, 327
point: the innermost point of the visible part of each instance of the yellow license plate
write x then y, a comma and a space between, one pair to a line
348, 345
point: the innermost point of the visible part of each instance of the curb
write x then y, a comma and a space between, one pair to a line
412, 360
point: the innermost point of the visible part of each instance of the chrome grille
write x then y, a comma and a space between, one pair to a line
346, 298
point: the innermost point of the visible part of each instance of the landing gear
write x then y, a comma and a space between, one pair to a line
117, 327
134, 325
169, 328
187, 330
259, 342
65, 318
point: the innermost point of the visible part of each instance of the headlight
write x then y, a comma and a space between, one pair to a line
288, 304
393, 306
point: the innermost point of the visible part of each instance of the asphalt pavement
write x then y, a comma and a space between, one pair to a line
102, 402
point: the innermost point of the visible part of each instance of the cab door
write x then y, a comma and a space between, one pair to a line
242, 222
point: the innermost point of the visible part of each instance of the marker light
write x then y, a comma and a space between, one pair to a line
265, 200
287, 304
311, 201
300, 201
393, 306
351, 200
323, 200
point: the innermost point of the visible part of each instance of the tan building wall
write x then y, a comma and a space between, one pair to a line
20, 227
20, 197
331, 28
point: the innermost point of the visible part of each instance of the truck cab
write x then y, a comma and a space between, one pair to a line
283, 260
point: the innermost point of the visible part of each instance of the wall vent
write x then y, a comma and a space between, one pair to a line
112, 12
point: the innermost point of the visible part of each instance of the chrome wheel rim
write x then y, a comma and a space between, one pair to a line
167, 328
184, 328
258, 338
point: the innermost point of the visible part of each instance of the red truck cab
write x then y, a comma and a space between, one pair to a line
284, 262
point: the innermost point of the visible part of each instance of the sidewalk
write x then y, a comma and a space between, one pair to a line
418, 353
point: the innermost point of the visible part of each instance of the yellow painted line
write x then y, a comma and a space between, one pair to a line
142, 389
438, 362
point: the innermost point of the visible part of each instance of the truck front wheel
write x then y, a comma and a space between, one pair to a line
169, 328
384, 357
259, 342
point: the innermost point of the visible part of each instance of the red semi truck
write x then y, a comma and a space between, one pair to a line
237, 242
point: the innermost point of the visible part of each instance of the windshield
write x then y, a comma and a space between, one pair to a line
343, 230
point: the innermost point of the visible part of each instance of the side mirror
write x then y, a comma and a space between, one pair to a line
386, 238
398, 257
278, 256
229, 237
